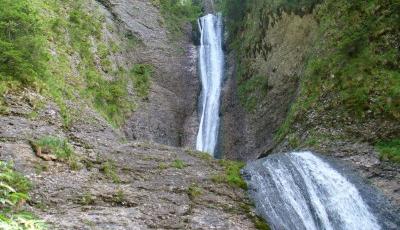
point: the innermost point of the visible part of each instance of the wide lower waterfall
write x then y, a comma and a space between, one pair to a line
211, 61
299, 190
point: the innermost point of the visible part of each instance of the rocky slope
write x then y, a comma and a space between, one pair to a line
118, 184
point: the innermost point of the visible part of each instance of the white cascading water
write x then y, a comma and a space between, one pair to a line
301, 191
211, 58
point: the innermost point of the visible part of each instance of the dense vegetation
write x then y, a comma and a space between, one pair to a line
77, 64
353, 71
14, 190
247, 24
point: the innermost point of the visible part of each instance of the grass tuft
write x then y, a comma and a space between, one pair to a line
231, 174
58, 147
179, 164
109, 170
194, 191
389, 150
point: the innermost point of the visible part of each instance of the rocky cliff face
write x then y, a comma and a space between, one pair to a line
267, 104
278, 60
168, 114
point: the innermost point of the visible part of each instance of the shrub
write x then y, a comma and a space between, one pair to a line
87, 199
14, 189
22, 44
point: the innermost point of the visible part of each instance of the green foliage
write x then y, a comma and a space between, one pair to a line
362, 62
14, 189
177, 13
73, 34
59, 147
389, 150
234, 12
358, 65
108, 168
251, 90
179, 164
231, 174
294, 141
247, 23
141, 74
21, 221
202, 155
23, 55
260, 224
353, 71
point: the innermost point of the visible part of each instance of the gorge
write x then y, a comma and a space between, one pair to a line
164, 114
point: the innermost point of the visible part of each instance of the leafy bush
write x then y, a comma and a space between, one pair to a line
22, 48
14, 190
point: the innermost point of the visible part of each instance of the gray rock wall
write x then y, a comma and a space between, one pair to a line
168, 115
246, 135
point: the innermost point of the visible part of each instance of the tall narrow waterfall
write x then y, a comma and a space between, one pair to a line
301, 191
211, 58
